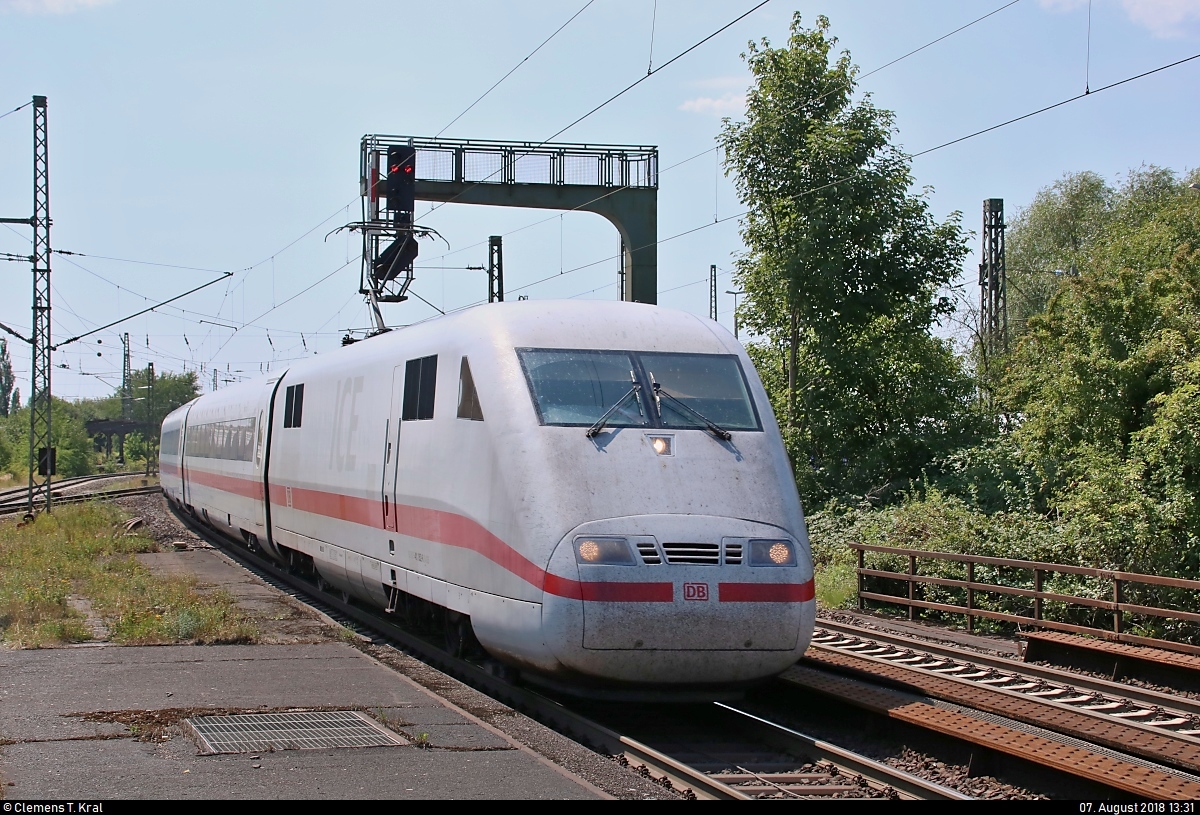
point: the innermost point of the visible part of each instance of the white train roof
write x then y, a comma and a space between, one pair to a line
582, 324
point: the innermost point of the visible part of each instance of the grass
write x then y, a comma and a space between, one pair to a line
83, 550
837, 584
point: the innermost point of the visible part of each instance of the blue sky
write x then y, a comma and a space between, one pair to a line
214, 134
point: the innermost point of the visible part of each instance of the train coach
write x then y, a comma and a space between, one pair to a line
596, 492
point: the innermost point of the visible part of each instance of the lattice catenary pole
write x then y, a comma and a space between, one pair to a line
993, 308
41, 443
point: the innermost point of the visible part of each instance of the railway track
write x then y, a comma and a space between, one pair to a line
766, 761
15, 507
13, 494
731, 753
1147, 709
1038, 714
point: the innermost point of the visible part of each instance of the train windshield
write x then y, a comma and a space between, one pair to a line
578, 387
708, 386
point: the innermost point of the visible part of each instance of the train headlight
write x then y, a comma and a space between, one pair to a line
663, 445
610, 551
772, 553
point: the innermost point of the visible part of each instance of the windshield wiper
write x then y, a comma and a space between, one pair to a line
710, 425
595, 429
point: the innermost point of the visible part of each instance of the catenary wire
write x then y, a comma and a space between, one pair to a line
616, 96
514, 68
14, 110
853, 175
705, 152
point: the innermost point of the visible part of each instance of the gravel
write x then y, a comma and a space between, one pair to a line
956, 777
159, 523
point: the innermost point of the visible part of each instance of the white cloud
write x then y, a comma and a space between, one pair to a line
730, 103
49, 6
1164, 18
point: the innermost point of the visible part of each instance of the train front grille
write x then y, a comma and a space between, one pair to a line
649, 553
696, 554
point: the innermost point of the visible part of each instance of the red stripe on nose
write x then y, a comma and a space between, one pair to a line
766, 592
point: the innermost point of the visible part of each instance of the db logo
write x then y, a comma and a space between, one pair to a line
695, 591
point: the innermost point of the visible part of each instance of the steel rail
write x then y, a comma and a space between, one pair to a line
1160, 714
67, 483
909, 786
12, 509
1000, 736
1133, 693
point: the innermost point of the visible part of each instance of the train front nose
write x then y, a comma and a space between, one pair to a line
679, 599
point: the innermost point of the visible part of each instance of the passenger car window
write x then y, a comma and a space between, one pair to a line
420, 380
293, 406
231, 441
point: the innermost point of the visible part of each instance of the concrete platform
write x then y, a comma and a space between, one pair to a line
102, 723
280, 618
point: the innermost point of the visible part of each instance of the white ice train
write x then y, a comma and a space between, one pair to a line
599, 490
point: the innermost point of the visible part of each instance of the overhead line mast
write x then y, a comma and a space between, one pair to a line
41, 447
40, 438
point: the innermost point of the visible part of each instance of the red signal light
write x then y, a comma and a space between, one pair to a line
402, 174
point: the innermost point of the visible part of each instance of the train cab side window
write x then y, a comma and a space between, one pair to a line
293, 406
420, 379
468, 397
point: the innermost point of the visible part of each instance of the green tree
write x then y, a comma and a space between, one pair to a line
152, 404
842, 272
1105, 387
74, 446
7, 382
1050, 238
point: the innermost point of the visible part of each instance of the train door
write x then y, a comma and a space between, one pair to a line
260, 438
412, 400
391, 452
185, 481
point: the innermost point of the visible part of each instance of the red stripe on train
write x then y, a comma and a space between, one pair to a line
766, 592
609, 592
450, 529
244, 487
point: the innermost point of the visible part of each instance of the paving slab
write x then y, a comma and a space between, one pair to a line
102, 722
280, 618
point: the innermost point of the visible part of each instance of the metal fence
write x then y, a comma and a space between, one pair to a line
978, 596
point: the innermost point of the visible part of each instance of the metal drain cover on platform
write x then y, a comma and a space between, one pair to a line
255, 732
